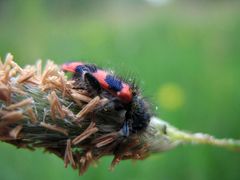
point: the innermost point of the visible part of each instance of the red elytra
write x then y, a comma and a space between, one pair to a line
125, 94
71, 66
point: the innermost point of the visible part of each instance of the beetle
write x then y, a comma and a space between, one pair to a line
126, 95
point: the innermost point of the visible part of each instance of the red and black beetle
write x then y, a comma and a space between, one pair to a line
137, 115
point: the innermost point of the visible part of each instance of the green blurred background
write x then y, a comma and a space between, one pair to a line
184, 54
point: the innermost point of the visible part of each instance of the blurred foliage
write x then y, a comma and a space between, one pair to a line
193, 46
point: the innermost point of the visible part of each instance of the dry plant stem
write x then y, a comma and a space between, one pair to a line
165, 136
42, 109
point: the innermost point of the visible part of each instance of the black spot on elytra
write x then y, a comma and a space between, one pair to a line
86, 68
91, 68
80, 69
114, 83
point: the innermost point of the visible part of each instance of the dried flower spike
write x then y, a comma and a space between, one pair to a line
79, 123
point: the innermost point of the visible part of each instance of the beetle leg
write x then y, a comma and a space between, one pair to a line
125, 130
92, 83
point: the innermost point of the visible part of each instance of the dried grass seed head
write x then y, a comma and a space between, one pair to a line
40, 110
